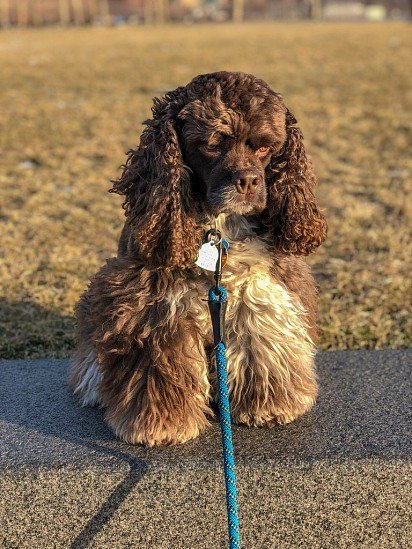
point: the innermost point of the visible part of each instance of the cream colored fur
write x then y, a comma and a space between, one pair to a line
88, 378
267, 334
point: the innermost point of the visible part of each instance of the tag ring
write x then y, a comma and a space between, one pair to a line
214, 235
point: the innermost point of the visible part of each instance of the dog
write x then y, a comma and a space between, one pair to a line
225, 152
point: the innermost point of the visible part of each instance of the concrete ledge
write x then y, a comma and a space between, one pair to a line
338, 477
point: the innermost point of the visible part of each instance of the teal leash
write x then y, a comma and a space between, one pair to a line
217, 307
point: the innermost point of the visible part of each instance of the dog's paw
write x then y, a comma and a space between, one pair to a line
157, 432
159, 437
275, 416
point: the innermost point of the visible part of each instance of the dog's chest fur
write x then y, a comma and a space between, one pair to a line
266, 326
257, 302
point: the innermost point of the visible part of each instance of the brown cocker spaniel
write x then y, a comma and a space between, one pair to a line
222, 151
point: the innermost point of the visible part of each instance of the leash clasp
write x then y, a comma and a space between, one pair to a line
215, 236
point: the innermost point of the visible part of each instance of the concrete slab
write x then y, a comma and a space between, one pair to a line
338, 477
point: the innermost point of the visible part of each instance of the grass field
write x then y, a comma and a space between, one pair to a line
72, 102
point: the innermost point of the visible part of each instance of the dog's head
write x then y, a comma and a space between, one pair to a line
224, 143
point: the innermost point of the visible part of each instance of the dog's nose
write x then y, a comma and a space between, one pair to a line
246, 181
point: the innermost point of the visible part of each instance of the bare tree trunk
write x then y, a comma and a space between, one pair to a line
64, 12
22, 13
93, 10
160, 11
36, 13
78, 9
315, 9
4, 13
105, 12
148, 11
238, 11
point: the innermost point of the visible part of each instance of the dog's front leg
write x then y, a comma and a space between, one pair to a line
270, 355
157, 393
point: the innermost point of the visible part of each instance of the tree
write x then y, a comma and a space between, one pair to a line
22, 13
4, 13
160, 11
64, 12
238, 11
78, 9
104, 9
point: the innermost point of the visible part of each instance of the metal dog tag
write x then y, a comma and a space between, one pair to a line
208, 256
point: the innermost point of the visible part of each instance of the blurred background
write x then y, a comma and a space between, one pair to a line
106, 12
77, 78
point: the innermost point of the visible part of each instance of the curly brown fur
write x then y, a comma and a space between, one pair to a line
154, 386
158, 204
297, 224
223, 149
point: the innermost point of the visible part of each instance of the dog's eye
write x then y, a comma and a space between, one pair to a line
262, 151
210, 150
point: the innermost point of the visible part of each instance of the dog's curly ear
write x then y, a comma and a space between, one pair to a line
156, 186
297, 224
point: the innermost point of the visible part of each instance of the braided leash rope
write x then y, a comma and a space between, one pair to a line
218, 294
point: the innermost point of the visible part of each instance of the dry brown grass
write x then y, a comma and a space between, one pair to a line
72, 102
